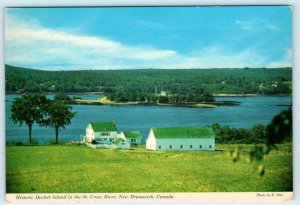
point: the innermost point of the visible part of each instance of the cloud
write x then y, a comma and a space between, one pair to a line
29, 44
219, 57
151, 25
271, 27
256, 25
245, 25
32, 44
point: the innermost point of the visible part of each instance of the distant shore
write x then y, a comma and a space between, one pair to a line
102, 93
234, 95
53, 93
246, 95
104, 101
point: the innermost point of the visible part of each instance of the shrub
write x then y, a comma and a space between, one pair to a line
34, 142
77, 98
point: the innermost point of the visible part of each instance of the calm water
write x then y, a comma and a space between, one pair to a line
252, 110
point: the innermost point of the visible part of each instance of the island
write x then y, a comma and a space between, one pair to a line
105, 101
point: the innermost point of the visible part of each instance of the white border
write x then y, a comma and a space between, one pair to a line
152, 197
60, 3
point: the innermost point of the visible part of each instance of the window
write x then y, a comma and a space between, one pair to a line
170, 146
191, 146
200, 146
181, 146
123, 140
159, 146
210, 146
104, 139
133, 140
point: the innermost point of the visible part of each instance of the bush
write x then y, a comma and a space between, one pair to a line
21, 143
14, 143
94, 142
231, 135
134, 145
77, 98
52, 142
62, 97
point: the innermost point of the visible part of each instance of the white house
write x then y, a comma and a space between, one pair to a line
128, 138
181, 138
101, 132
132, 137
163, 93
104, 134
121, 142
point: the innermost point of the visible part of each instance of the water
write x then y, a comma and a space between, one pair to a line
252, 110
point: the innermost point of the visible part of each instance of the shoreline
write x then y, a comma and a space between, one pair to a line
248, 95
102, 93
235, 95
53, 93
105, 101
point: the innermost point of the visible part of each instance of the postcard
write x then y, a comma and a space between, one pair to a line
148, 104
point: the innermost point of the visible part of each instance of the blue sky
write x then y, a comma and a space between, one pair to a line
148, 37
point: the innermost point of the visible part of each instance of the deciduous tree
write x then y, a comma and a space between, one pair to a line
29, 109
59, 116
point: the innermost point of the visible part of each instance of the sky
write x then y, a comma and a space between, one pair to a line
149, 37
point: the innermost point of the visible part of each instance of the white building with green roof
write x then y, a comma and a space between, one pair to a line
101, 132
181, 138
132, 137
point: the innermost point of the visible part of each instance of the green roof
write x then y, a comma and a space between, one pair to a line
132, 134
103, 126
184, 132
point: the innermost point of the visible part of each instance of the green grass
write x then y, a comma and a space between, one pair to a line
79, 169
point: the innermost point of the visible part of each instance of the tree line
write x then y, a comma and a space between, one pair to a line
157, 98
230, 135
177, 81
37, 108
278, 131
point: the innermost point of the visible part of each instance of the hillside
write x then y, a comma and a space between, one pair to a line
177, 81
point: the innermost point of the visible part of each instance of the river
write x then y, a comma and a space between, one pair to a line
252, 110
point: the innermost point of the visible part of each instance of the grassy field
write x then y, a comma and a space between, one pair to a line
73, 168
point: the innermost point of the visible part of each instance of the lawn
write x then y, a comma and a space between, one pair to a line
79, 169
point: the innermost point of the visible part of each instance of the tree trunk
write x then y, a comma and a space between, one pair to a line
30, 129
56, 135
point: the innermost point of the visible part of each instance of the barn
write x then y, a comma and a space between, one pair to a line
181, 138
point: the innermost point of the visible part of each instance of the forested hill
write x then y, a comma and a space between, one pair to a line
181, 81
